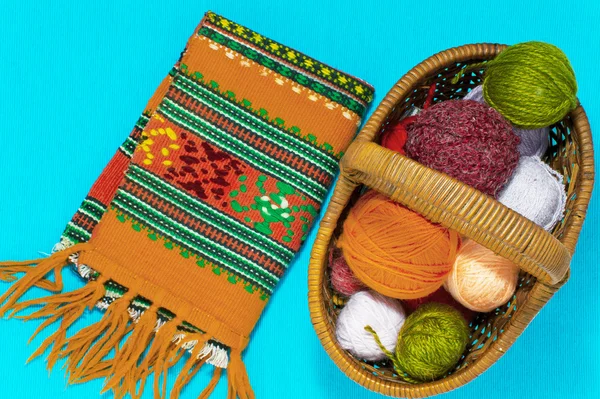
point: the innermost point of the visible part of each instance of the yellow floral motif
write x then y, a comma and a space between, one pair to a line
352, 85
291, 55
309, 64
240, 30
256, 38
325, 71
148, 142
342, 79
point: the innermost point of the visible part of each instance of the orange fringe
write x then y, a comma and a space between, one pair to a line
87, 352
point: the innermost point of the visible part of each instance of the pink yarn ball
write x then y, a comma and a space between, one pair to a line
467, 140
342, 278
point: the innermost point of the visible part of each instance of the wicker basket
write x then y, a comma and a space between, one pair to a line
543, 258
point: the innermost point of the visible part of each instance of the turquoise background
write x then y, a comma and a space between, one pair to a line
75, 76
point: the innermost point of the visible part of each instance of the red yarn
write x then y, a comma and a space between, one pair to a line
395, 137
467, 140
396, 134
439, 296
342, 278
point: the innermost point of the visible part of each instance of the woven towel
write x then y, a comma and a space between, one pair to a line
189, 229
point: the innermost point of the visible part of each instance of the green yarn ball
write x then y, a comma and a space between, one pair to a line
430, 343
531, 84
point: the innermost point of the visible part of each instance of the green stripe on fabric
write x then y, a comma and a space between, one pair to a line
76, 234
92, 209
128, 147
242, 150
142, 121
211, 216
89, 214
290, 73
237, 260
308, 64
196, 243
250, 121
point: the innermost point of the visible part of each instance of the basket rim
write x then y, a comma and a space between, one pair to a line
540, 292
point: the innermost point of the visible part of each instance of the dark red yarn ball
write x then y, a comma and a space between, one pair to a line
342, 278
467, 140
439, 296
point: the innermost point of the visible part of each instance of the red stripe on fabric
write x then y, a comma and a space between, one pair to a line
106, 186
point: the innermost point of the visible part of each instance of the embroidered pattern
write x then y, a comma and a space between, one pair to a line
203, 170
227, 101
280, 80
303, 79
130, 144
165, 152
262, 145
279, 211
358, 88
79, 229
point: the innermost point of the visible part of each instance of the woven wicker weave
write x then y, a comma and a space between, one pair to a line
544, 258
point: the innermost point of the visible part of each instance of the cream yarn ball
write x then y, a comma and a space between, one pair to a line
536, 191
533, 142
481, 280
367, 308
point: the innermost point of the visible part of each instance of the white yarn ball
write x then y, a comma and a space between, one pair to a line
367, 308
536, 191
533, 142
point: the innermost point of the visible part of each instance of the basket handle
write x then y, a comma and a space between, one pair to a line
456, 205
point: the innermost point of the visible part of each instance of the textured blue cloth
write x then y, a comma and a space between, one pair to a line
65, 67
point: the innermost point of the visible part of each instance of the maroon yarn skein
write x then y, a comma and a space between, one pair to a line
467, 140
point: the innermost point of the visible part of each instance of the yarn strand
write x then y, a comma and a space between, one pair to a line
392, 357
468, 68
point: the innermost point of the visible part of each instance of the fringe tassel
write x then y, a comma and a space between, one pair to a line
34, 275
163, 364
69, 307
143, 345
189, 370
162, 348
89, 346
237, 377
8, 273
126, 362
212, 384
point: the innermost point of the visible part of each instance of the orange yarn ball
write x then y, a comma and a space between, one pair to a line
394, 250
